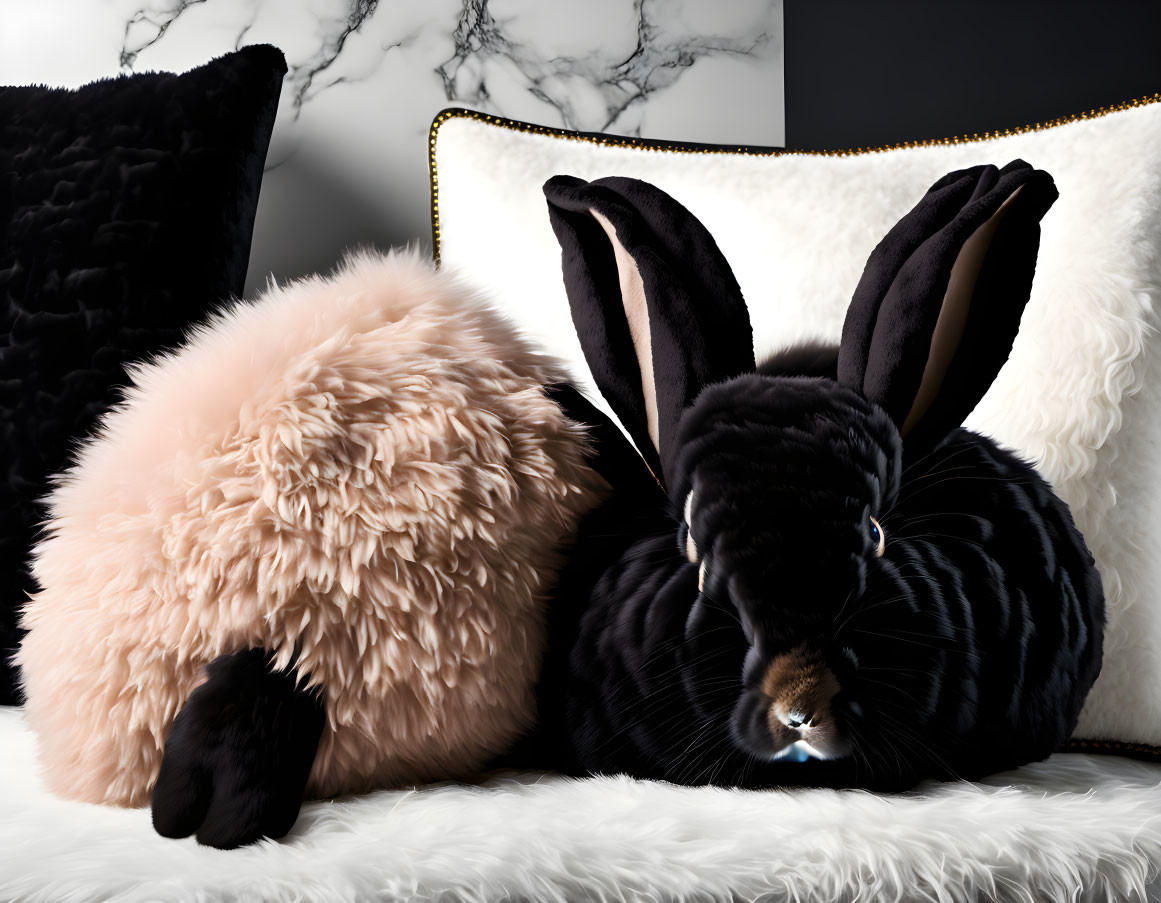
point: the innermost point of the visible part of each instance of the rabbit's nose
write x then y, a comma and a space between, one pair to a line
793, 720
800, 688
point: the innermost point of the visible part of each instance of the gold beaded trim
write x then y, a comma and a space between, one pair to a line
750, 151
1114, 748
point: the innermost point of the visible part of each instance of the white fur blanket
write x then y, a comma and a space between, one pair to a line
1073, 828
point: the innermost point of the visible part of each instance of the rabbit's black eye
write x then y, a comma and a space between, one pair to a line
878, 537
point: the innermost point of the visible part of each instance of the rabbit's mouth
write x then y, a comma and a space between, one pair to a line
819, 739
798, 751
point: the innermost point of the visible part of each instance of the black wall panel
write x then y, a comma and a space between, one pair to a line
874, 72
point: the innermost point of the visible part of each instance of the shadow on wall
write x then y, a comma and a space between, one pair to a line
308, 217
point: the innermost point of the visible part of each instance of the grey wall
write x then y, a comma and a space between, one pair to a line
862, 73
348, 160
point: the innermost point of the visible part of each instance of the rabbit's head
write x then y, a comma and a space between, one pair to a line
779, 485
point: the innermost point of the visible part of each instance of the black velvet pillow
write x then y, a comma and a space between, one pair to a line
126, 212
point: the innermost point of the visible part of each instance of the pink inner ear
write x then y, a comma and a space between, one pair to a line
953, 314
637, 313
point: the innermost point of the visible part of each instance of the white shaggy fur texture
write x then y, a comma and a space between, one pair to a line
1074, 828
363, 468
1080, 395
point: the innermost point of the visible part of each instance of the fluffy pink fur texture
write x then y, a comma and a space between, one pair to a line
364, 466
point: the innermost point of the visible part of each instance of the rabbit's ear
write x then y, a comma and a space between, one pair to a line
655, 304
937, 309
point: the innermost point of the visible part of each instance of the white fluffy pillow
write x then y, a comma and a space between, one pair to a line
1080, 395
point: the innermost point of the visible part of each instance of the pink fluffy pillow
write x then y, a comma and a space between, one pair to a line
364, 468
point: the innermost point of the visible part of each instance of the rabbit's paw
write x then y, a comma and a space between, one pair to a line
239, 754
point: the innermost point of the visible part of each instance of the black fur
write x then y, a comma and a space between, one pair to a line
968, 647
808, 359
679, 267
239, 754
126, 210
889, 324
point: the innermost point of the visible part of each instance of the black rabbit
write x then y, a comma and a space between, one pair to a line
810, 573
